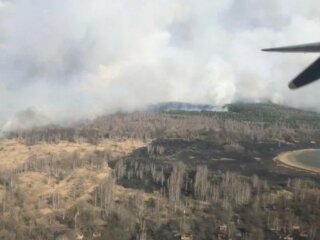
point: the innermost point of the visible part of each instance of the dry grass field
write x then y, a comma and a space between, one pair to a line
40, 189
13, 152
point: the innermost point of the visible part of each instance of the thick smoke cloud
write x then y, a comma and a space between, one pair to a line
69, 59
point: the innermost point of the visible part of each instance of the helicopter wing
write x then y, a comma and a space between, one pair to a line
310, 47
311, 73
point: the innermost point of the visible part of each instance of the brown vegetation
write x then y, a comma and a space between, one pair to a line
160, 176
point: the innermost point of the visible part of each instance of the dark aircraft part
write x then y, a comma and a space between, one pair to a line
309, 75
311, 47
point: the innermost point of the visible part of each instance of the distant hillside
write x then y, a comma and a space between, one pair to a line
182, 106
262, 112
270, 112
242, 122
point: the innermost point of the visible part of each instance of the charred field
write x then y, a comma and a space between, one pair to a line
251, 159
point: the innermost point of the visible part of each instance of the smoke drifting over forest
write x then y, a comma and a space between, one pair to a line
70, 59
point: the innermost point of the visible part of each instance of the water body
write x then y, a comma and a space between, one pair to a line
308, 158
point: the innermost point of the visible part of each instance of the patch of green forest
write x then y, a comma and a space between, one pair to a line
261, 113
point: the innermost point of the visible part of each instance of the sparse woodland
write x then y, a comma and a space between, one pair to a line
207, 174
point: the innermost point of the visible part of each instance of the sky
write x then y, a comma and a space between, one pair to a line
65, 60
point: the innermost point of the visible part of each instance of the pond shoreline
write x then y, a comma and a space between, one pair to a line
288, 160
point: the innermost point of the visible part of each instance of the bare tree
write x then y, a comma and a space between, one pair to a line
175, 183
201, 184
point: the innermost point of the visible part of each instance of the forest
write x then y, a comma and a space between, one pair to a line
162, 174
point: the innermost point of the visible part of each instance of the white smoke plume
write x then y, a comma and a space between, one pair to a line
76, 58
26, 119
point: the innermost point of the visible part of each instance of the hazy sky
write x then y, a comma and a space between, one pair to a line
68, 59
